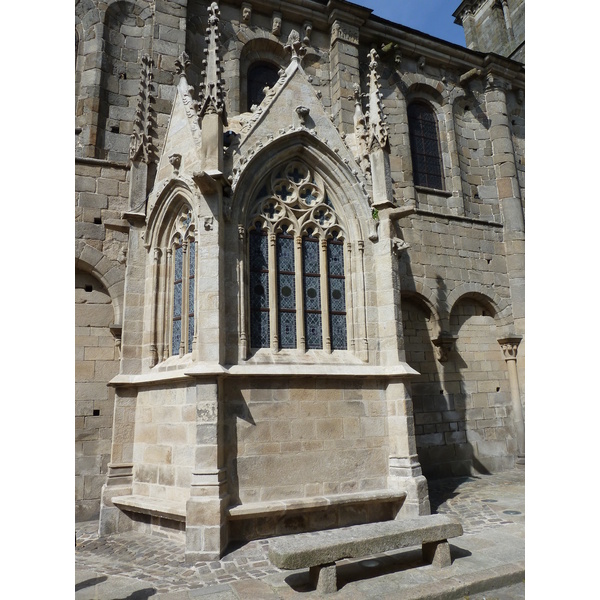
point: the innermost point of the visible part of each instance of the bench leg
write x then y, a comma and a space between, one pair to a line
324, 578
437, 553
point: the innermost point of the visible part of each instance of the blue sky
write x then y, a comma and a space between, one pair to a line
430, 16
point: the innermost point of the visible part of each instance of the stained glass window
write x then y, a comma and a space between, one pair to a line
259, 289
337, 293
424, 145
191, 293
177, 300
312, 292
286, 282
293, 212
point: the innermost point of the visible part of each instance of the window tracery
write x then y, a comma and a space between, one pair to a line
297, 283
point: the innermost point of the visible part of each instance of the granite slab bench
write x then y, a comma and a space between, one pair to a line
156, 507
319, 551
279, 508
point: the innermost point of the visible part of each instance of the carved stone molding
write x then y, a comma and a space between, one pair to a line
443, 344
276, 25
302, 113
295, 46
344, 32
246, 13
510, 346
175, 160
141, 147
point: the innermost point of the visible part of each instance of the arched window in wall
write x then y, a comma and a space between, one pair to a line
183, 248
260, 75
425, 146
297, 283
175, 288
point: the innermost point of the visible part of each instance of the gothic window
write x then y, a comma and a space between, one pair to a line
297, 284
425, 146
260, 76
176, 263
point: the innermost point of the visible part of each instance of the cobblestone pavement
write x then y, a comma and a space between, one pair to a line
480, 502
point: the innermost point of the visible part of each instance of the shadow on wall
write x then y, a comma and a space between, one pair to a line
462, 397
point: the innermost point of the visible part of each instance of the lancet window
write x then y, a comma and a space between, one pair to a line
425, 146
297, 282
175, 312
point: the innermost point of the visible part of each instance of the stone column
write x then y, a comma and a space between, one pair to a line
509, 195
510, 347
206, 520
406, 184
136, 286
404, 466
120, 470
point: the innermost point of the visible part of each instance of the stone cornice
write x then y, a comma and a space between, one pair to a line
286, 370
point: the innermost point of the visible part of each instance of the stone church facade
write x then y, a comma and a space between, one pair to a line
299, 263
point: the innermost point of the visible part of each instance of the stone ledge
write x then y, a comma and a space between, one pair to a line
277, 508
157, 507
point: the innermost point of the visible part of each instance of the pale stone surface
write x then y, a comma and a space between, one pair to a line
304, 550
169, 164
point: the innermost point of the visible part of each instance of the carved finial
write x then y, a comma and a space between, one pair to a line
141, 146
211, 97
378, 130
295, 46
360, 131
182, 63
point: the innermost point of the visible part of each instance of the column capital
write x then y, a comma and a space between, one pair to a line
510, 346
443, 344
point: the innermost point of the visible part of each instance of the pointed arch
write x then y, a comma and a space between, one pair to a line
172, 243
303, 211
347, 196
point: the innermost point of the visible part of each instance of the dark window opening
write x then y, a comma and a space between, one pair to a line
260, 76
88, 288
425, 146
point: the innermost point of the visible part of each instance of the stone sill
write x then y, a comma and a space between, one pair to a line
432, 191
278, 508
157, 507
213, 370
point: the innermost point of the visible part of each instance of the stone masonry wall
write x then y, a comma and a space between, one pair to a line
338, 427
165, 437
96, 362
462, 408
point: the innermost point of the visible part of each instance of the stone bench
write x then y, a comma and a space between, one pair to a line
255, 520
279, 508
319, 551
155, 507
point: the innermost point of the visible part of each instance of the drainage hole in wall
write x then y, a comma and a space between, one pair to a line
114, 128
88, 288
96, 412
